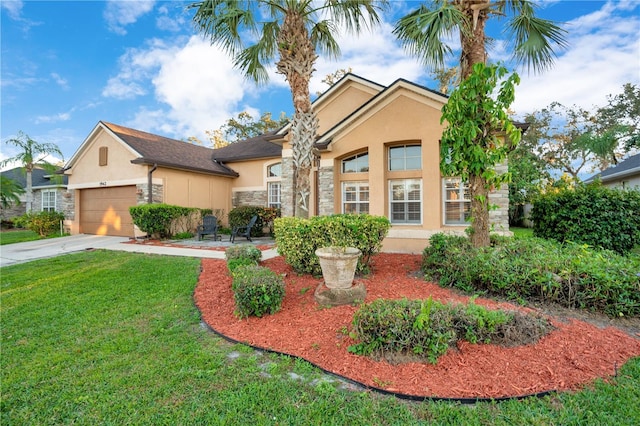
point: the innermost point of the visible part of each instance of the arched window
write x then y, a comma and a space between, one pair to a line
359, 163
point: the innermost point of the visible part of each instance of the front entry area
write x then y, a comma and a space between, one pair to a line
105, 211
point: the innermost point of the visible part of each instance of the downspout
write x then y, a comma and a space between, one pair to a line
150, 184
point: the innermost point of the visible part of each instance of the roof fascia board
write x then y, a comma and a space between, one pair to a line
149, 162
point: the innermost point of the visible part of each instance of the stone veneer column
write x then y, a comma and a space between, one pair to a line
286, 185
499, 218
142, 192
326, 188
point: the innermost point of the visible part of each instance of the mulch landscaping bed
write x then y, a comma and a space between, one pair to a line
570, 357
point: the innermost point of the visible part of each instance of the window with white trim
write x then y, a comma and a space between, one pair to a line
405, 201
48, 200
457, 201
405, 157
355, 197
359, 163
274, 187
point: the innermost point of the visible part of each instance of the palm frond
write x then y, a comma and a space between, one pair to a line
533, 40
421, 32
354, 14
221, 21
323, 40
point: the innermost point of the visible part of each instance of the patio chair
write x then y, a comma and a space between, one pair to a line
243, 231
209, 227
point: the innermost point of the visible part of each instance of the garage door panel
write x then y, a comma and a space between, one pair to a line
105, 211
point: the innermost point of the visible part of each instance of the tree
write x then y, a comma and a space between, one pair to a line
32, 154
334, 77
478, 136
10, 191
244, 126
423, 31
447, 78
292, 32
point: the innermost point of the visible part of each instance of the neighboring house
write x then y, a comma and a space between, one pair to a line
625, 175
49, 192
377, 152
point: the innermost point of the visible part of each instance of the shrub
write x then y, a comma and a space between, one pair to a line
233, 264
257, 291
297, 239
243, 251
535, 269
22, 221
43, 223
590, 214
393, 329
240, 216
163, 220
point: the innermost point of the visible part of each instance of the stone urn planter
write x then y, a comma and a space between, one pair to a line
338, 269
338, 265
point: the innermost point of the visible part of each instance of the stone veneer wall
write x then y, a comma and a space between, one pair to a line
326, 188
142, 193
499, 217
249, 198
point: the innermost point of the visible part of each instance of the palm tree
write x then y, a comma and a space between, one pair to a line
423, 32
31, 154
292, 32
10, 191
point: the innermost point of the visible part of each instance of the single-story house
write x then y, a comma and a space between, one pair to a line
49, 192
377, 151
624, 175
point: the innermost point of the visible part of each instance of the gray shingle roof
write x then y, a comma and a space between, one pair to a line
166, 152
249, 149
629, 166
39, 177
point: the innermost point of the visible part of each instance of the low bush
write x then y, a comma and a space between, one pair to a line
590, 214
42, 223
297, 239
243, 251
240, 216
425, 329
166, 220
233, 264
535, 269
257, 291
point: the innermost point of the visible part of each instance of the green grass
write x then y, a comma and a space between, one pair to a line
522, 232
114, 338
11, 237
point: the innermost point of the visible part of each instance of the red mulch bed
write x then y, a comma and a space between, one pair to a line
572, 356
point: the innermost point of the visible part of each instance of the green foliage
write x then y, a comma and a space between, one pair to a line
13, 237
571, 275
240, 216
590, 214
10, 191
22, 221
163, 220
257, 291
427, 328
42, 223
233, 264
243, 251
297, 239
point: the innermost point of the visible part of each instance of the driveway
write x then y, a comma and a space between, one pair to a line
11, 254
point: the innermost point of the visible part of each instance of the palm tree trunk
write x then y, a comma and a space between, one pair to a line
29, 190
297, 58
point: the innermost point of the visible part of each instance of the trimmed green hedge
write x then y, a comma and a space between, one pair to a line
42, 223
297, 239
590, 214
166, 220
257, 291
569, 274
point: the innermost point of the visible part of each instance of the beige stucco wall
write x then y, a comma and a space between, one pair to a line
342, 103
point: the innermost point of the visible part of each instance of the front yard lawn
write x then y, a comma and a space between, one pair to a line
114, 338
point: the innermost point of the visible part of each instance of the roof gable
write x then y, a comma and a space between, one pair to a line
436, 99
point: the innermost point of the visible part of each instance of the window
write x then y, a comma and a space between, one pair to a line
405, 199
48, 200
273, 189
405, 157
103, 156
356, 164
275, 170
355, 197
274, 175
457, 202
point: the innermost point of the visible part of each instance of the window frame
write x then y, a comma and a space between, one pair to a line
359, 156
461, 201
46, 205
404, 157
406, 201
358, 202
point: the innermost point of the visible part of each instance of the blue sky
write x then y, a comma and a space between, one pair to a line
65, 65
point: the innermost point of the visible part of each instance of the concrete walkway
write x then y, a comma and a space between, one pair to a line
11, 254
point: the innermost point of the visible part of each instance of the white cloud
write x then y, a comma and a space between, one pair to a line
59, 80
13, 8
194, 82
119, 13
603, 55
62, 116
